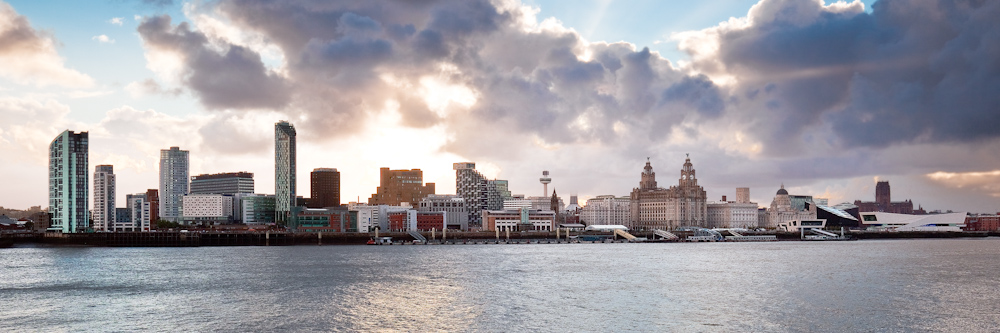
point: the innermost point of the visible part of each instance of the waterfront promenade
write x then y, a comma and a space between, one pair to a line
271, 238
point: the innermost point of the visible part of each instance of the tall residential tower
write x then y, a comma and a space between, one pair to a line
104, 197
284, 171
174, 170
68, 167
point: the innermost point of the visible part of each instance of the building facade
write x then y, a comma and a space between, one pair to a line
330, 219
657, 208
368, 218
453, 205
607, 210
207, 209
519, 220
782, 210
479, 193
324, 188
104, 198
140, 212
284, 171
399, 186
229, 183
68, 185
733, 214
257, 209
982, 222
174, 171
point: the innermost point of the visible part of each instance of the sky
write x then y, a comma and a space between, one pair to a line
825, 98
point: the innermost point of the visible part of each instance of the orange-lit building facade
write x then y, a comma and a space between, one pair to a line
398, 186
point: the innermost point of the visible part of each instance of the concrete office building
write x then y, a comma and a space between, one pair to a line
284, 171
368, 218
607, 210
733, 214
68, 188
230, 183
174, 172
207, 209
453, 205
104, 198
324, 188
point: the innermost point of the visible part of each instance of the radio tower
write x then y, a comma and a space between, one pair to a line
545, 180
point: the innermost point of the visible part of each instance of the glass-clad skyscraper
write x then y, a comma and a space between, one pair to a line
174, 168
68, 197
284, 171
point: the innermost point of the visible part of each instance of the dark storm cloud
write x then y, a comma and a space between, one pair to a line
235, 78
526, 82
907, 72
697, 92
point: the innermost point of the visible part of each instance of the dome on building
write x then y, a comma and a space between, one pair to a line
782, 191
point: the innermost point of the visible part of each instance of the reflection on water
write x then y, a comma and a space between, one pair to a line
897, 285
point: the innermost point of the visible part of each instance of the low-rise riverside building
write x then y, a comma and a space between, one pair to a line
453, 205
207, 209
257, 209
519, 220
368, 218
983, 222
411, 219
330, 219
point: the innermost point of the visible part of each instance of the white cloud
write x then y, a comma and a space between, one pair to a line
117, 21
29, 56
103, 39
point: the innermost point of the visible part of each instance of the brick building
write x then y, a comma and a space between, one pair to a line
324, 188
883, 202
982, 223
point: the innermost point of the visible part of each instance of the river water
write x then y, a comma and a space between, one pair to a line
872, 285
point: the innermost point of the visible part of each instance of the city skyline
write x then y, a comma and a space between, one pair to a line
825, 123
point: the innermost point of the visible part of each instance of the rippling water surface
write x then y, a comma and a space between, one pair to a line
893, 285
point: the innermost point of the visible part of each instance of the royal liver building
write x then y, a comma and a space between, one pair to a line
668, 208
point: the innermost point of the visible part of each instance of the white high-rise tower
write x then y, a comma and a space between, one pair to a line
174, 182
104, 198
